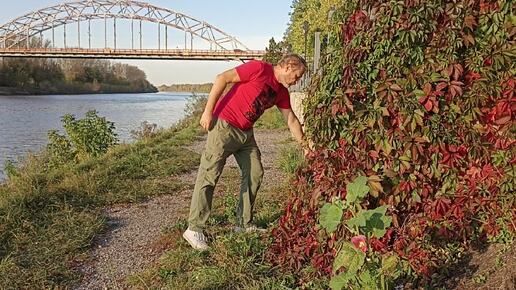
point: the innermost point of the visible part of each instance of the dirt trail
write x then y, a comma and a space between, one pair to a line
126, 247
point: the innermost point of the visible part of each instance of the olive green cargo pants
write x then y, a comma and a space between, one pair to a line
224, 140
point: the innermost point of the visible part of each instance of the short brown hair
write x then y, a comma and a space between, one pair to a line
293, 59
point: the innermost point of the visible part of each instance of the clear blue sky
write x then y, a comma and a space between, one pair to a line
253, 22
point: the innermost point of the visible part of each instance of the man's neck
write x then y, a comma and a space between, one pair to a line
277, 73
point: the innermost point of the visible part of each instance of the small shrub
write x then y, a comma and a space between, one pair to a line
91, 136
59, 148
10, 169
88, 137
147, 130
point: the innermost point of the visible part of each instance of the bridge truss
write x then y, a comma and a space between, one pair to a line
16, 36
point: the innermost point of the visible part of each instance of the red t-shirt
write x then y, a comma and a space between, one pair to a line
257, 91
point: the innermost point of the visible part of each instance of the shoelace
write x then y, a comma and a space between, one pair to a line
200, 237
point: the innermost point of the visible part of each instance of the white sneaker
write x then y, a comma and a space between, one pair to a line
250, 229
197, 240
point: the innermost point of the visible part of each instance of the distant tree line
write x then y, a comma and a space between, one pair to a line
188, 88
47, 76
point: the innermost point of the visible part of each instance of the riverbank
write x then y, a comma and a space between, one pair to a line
187, 88
50, 216
75, 89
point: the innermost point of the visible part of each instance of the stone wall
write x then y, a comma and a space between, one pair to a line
296, 100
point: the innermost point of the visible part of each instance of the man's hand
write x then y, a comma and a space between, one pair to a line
206, 120
295, 128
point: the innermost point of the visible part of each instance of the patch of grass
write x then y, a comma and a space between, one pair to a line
291, 157
50, 216
234, 261
271, 119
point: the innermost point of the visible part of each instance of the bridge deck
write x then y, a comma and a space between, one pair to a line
184, 54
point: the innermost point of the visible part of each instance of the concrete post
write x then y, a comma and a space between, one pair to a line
317, 51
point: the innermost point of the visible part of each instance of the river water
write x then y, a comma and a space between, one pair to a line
25, 120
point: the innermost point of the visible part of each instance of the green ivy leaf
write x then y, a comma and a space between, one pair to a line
389, 264
358, 221
377, 222
368, 281
373, 221
330, 217
350, 258
419, 93
435, 77
357, 189
340, 281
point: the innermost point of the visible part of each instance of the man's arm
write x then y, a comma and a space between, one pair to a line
220, 83
295, 127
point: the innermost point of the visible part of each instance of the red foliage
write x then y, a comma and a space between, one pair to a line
436, 169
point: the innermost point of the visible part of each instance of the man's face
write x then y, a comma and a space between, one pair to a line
292, 75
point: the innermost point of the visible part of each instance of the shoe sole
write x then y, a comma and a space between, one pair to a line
193, 245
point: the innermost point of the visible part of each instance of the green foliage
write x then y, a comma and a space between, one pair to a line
349, 257
275, 51
417, 95
371, 221
91, 136
290, 159
330, 218
368, 222
86, 138
60, 148
271, 119
318, 15
357, 190
10, 169
148, 130
50, 76
364, 224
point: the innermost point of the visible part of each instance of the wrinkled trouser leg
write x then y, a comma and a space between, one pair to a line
249, 161
224, 140
213, 160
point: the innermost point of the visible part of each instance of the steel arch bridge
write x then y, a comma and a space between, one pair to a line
16, 36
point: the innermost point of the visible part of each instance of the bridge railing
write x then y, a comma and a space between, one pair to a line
132, 53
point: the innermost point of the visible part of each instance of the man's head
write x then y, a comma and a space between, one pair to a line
290, 69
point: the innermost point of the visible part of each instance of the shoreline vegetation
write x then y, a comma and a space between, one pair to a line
74, 89
51, 204
187, 88
29, 76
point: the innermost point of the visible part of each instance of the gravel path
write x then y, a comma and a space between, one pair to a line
126, 247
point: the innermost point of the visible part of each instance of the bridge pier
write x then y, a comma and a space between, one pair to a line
140, 34
114, 33
64, 35
79, 33
89, 33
